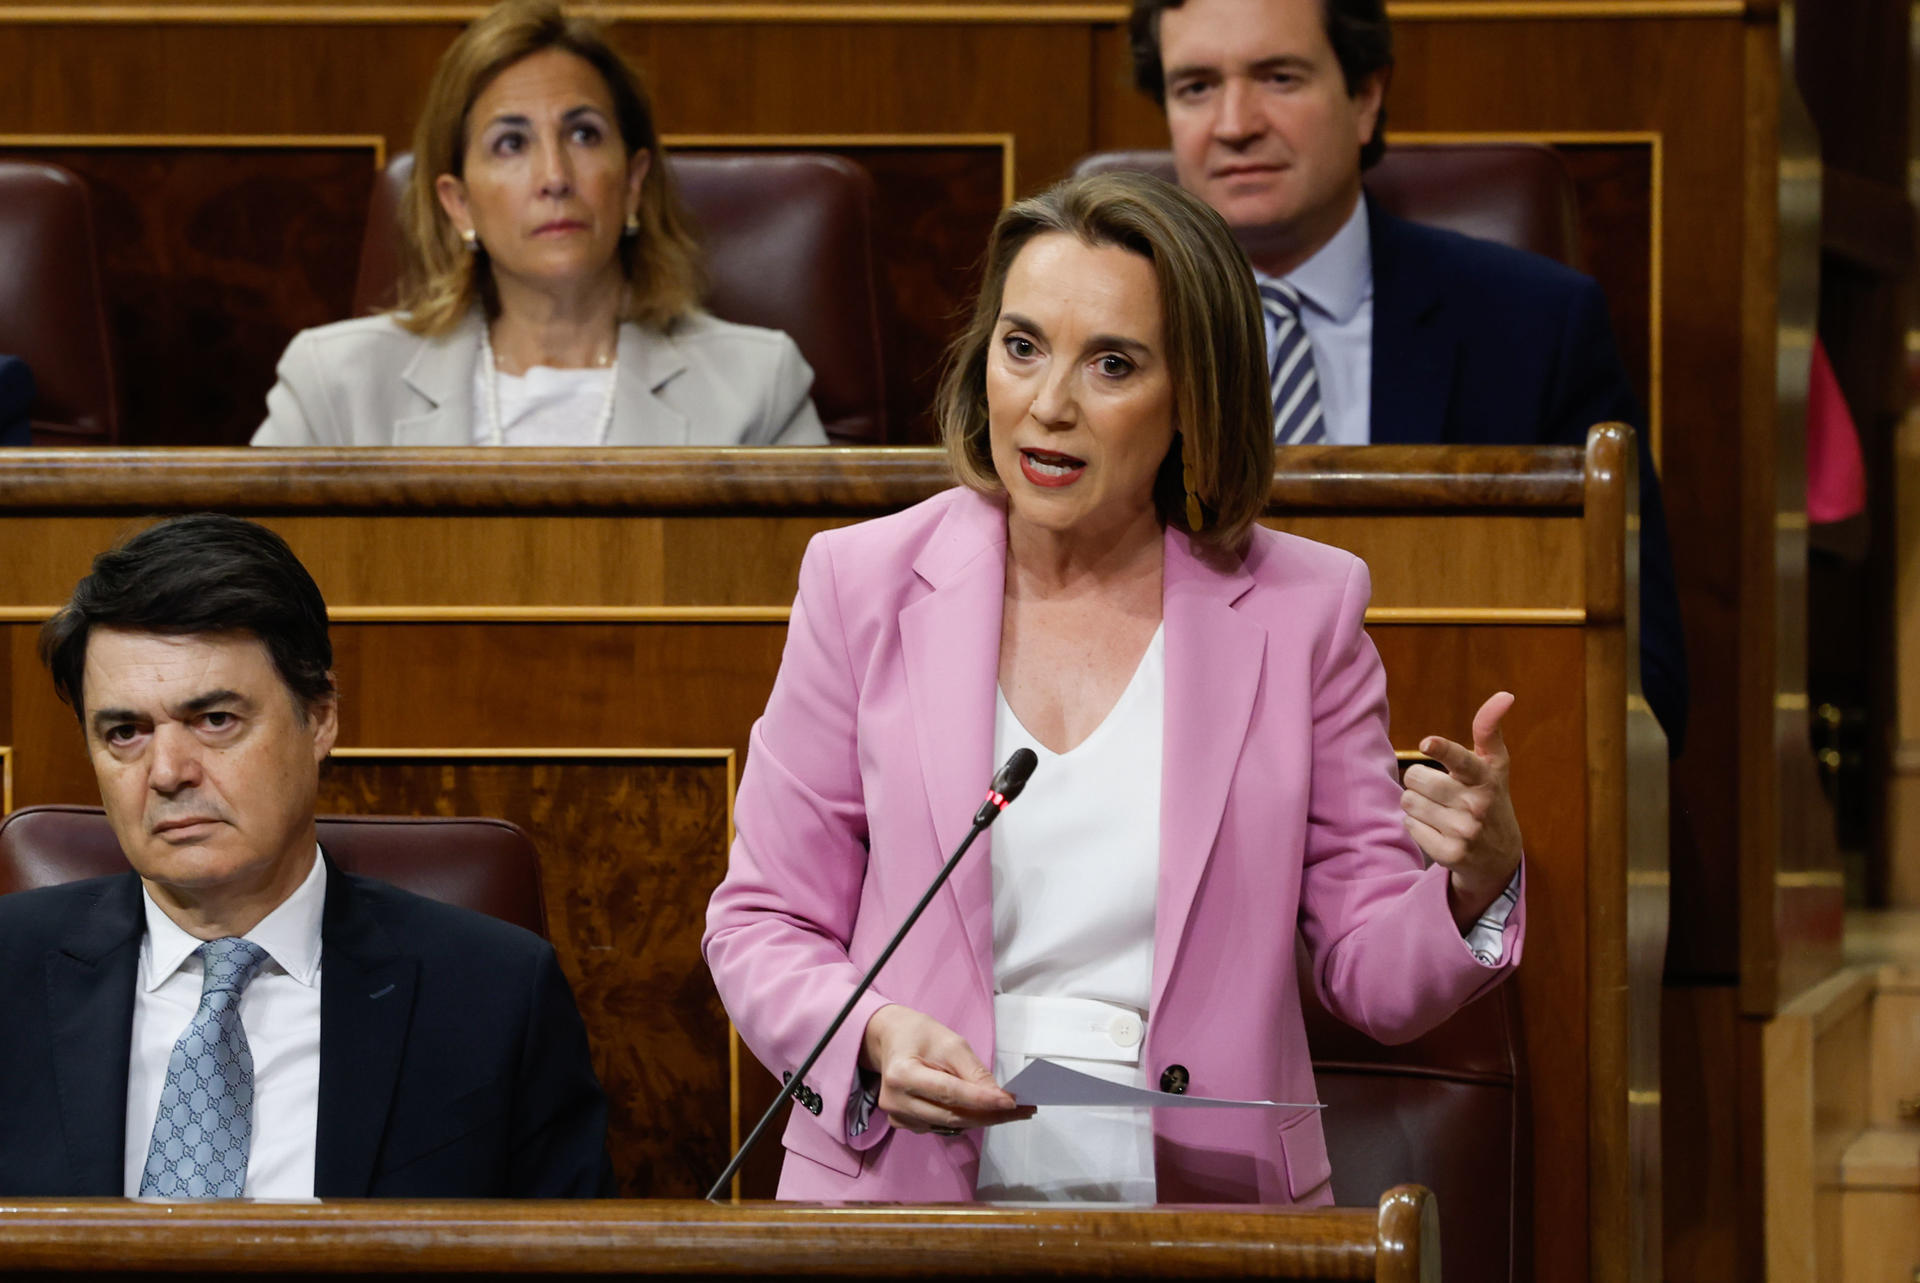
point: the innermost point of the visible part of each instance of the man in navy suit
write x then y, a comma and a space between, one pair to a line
237, 1017
1381, 330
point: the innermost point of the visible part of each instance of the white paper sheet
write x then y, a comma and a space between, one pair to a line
1045, 1083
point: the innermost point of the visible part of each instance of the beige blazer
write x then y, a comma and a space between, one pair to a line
708, 382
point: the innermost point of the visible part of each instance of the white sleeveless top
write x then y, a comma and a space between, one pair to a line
1076, 869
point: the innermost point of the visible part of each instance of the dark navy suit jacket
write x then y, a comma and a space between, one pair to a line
1480, 344
452, 1058
16, 398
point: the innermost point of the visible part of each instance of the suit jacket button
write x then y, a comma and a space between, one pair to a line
1174, 1080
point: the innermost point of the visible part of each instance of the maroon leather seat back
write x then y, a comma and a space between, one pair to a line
52, 310
1517, 194
1448, 1111
486, 865
789, 240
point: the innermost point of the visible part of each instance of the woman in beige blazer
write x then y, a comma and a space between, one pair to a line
549, 283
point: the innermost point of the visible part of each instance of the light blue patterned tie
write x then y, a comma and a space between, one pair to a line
1291, 379
205, 1125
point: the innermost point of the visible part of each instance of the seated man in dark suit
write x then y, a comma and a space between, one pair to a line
1380, 330
237, 1016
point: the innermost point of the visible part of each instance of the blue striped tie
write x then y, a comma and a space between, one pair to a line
1290, 374
204, 1130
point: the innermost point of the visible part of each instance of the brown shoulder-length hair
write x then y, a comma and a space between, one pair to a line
1215, 340
439, 279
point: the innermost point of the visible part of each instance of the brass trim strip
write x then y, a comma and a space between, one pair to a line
1559, 616
733, 1104
1831, 879
723, 11
570, 754
263, 142
1790, 702
6, 779
559, 614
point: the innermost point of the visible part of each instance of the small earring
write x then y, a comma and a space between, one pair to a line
633, 224
1195, 517
470, 239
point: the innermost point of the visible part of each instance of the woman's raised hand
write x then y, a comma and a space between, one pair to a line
1462, 817
930, 1079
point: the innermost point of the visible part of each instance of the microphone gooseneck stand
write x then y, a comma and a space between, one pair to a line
1005, 787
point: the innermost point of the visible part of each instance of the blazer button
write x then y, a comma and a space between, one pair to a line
1174, 1080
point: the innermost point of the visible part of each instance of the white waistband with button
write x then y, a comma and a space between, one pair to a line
1076, 1028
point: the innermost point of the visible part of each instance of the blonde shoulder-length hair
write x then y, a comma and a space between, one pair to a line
1216, 347
440, 281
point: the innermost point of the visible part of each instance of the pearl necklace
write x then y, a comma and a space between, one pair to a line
496, 432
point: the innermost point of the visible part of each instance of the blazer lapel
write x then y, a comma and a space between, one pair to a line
366, 1005
1413, 349
442, 374
647, 361
89, 988
950, 642
1214, 661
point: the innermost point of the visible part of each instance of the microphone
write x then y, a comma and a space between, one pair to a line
1007, 785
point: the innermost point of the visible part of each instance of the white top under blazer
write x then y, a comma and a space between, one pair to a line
1076, 867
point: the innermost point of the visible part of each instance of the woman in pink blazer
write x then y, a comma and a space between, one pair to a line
1108, 412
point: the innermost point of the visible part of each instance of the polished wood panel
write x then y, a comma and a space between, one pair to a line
211, 258
630, 848
1893, 1092
685, 481
1617, 186
1816, 1104
1711, 1154
1396, 1242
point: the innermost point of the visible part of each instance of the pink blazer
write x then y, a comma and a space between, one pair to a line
1280, 822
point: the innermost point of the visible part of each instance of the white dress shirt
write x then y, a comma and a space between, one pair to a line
280, 1011
1336, 296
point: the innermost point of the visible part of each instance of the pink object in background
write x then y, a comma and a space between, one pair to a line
1836, 477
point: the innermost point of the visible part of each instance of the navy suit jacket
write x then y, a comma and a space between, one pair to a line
16, 398
453, 1063
1480, 344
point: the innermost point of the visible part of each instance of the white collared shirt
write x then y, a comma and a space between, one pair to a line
280, 1012
1336, 295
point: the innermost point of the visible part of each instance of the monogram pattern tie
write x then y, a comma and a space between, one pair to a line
1290, 375
205, 1126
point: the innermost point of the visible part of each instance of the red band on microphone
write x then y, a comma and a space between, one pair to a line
996, 799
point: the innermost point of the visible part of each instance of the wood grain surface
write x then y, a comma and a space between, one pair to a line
630, 849
1398, 1241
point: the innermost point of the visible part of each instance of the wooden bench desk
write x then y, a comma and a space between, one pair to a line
579, 642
